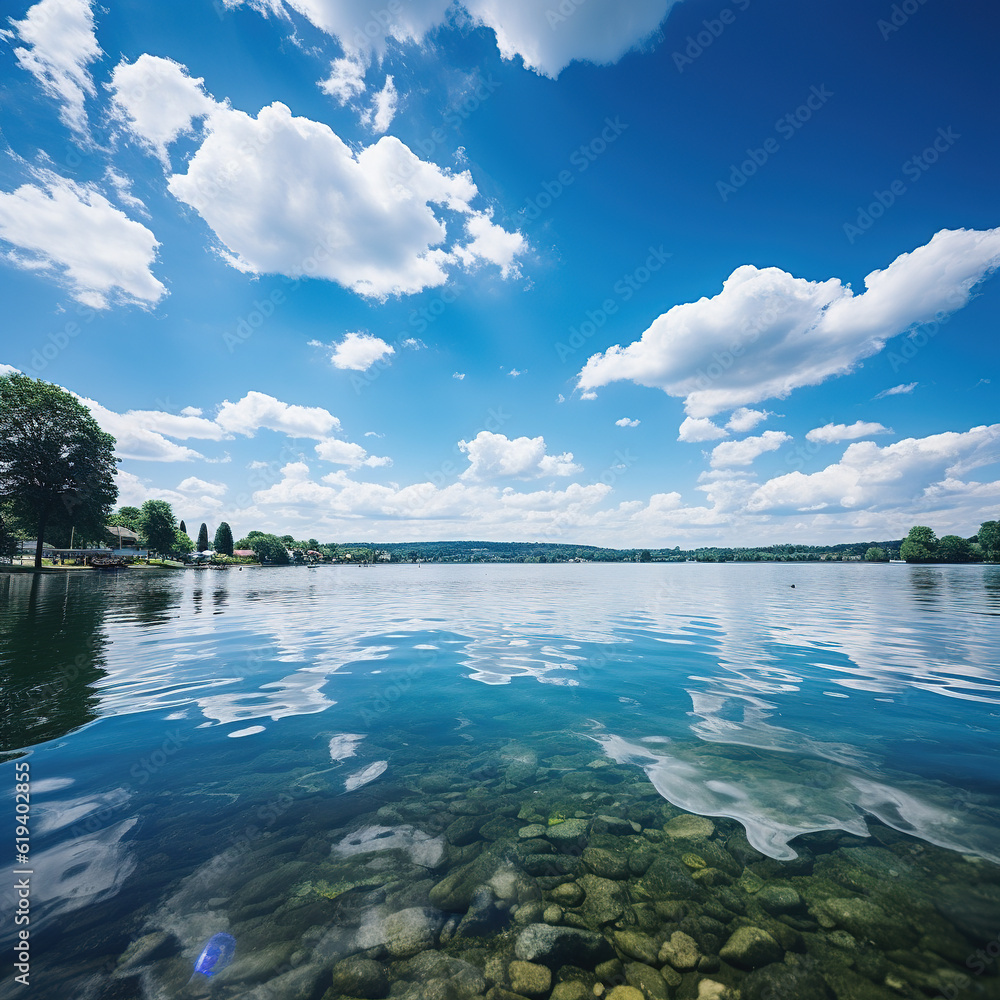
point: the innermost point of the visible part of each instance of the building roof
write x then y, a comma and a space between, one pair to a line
243, 552
121, 533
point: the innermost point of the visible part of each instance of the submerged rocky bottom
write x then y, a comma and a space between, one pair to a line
522, 873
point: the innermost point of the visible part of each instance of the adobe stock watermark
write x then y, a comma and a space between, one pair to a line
899, 14
624, 288
580, 159
711, 30
914, 168
786, 126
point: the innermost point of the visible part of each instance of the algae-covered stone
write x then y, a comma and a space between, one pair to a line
465, 830
647, 981
557, 946
531, 831
666, 877
567, 832
571, 989
750, 882
529, 978
689, 828
779, 899
567, 894
606, 864
605, 900
750, 948
552, 914
360, 977
635, 944
625, 993
865, 920
780, 980
411, 931
680, 952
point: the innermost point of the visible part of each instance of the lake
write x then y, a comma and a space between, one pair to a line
433, 781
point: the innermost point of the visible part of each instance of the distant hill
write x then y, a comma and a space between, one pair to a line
455, 551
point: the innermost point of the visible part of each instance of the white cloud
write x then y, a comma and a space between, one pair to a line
62, 42
349, 454
123, 190
547, 37
359, 351
491, 244
626, 422
346, 79
157, 101
177, 425
194, 485
74, 231
745, 419
383, 108
832, 433
492, 456
257, 410
137, 442
744, 452
897, 390
458, 375
286, 195
695, 429
767, 333
869, 477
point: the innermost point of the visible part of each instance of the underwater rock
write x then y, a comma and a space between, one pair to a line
571, 989
681, 952
464, 978
604, 900
689, 828
148, 948
625, 993
359, 977
558, 946
647, 981
865, 920
463, 831
750, 948
455, 891
484, 915
616, 825
499, 993
567, 832
779, 899
411, 931
552, 914
531, 831
529, 978
635, 944
606, 864
666, 877
778, 981
567, 894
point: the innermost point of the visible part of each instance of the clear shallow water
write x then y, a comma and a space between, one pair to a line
189, 732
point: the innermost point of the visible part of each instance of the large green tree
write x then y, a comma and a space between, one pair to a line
158, 526
126, 517
268, 548
202, 542
224, 539
989, 539
57, 467
876, 553
920, 545
954, 549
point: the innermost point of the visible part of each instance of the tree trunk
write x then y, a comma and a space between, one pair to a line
38, 544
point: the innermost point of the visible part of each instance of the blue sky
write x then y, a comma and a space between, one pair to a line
632, 273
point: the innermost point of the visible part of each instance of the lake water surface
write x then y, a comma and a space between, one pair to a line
446, 780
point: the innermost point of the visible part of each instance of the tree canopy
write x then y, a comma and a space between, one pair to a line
268, 548
989, 539
159, 526
224, 539
202, 542
57, 467
920, 545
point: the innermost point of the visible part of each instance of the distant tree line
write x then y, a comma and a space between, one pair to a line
921, 545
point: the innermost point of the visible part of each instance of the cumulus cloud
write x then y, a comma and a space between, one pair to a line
897, 390
182, 425
60, 40
359, 351
744, 452
287, 195
347, 453
695, 429
627, 422
493, 456
157, 101
346, 79
768, 333
383, 108
73, 231
832, 433
195, 485
545, 37
135, 441
458, 375
745, 419
869, 477
257, 410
